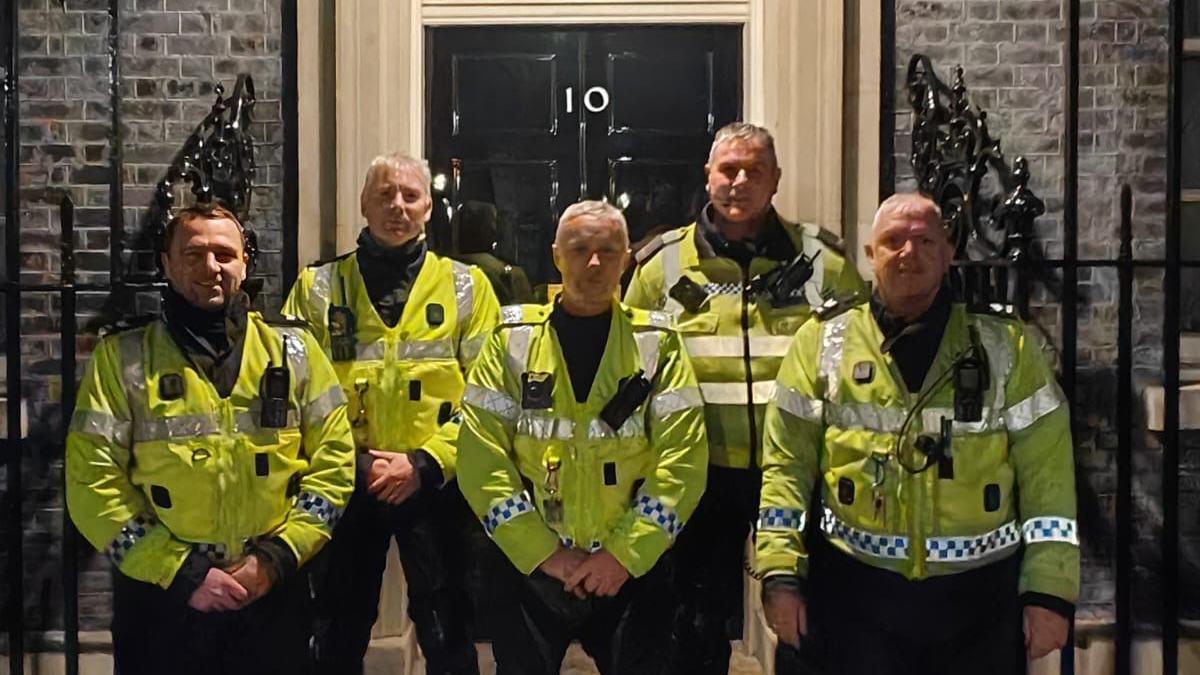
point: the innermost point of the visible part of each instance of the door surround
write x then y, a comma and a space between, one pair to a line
793, 74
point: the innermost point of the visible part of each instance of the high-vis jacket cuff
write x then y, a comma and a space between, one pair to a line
1053, 603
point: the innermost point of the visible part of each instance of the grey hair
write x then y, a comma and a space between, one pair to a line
399, 161
746, 133
909, 204
590, 208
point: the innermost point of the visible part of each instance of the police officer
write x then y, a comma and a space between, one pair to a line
739, 281
209, 456
583, 453
945, 537
402, 325
474, 226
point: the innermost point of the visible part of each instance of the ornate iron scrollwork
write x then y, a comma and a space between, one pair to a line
953, 154
217, 160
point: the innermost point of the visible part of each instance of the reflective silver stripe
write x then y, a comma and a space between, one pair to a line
866, 416
183, 426
320, 407
675, 400
731, 346
1000, 356
833, 340
1044, 401
783, 518
417, 350
658, 513
133, 371
464, 292
492, 401
320, 507
297, 356
734, 393
518, 349
545, 428
794, 403
102, 424
964, 549
671, 272
133, 531
505, 510
633, 427
371, 351
648, 344
866, 543
511, 314
247, 421
469, 349
321, 285
1051, 529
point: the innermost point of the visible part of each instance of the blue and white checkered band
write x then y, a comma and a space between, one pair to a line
504, 511
570, 543
131, 533
319, 507
215, 552
777, 518
658, 513
1051, 528
877, 545
723, 289
955, 549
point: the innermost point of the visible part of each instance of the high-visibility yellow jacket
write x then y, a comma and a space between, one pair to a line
628, 491
834, 421
159, 464
736, 339
405, 382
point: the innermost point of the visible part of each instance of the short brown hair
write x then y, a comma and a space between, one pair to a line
205, 211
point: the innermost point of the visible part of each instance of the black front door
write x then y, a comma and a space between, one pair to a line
534, 119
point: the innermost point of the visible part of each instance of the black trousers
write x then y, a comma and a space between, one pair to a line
623, 634
867, 621
154, 634
709, 558
429, 528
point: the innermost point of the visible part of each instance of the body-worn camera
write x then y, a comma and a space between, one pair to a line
631, 392
782, 285
689, 294
341, 333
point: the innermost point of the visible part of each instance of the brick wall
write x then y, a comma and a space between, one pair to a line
172, 54
1013, 53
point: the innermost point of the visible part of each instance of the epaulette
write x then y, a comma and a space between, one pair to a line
336, 258
829, 239
656, 244
836, 305
648, 318
516, 315
127, 323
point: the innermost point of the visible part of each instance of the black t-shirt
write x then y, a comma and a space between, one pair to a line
582, 339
